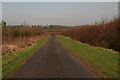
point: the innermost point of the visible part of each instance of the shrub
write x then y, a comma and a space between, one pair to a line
104, 34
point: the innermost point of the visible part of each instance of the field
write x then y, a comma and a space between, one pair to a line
102, 61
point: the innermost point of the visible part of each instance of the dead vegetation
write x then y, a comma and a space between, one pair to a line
16, 38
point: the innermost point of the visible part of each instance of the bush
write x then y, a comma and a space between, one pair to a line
104, 34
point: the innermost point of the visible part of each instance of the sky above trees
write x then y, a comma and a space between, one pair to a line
58, 13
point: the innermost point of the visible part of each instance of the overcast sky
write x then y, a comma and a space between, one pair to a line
63, 13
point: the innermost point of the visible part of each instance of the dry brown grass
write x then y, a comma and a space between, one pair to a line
18, 43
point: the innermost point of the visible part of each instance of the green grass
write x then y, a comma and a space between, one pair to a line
103, 61
11, 62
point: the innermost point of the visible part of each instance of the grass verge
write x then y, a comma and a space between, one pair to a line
11, 62
103, 61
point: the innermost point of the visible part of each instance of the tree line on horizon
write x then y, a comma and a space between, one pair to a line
21, 31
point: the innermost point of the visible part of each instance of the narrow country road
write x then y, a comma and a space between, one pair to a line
53, 61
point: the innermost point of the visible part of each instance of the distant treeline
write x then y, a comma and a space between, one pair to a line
21, 31
104, 34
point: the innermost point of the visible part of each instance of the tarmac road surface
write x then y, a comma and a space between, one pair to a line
53, 61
